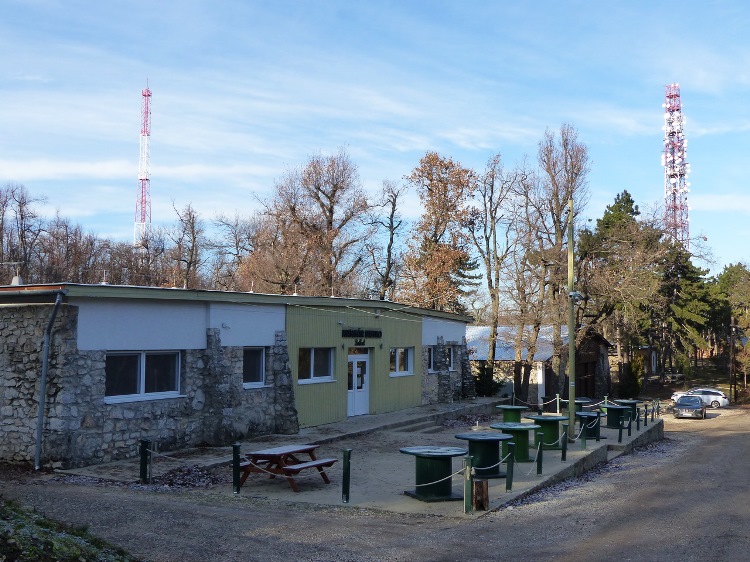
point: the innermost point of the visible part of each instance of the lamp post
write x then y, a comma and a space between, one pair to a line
732, 372
571, 324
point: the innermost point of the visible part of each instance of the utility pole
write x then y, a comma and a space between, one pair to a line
571, 326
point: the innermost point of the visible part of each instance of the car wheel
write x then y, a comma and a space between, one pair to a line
715, 404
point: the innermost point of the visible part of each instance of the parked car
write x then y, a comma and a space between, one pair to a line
710, 396
689, 406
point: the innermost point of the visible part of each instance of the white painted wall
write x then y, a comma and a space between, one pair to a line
120, 325
140, 325
247, 324
449, 330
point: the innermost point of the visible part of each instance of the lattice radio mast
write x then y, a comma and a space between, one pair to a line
143, 198
676, 169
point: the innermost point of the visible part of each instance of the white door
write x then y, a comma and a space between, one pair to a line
359, 382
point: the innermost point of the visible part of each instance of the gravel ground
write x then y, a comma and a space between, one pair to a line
632, 508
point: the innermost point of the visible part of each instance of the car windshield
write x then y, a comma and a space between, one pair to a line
689, 401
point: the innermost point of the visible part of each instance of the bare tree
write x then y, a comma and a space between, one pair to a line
324, 202
491, 223
385, 258
188, 249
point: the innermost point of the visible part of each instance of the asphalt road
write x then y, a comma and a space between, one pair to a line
685, 498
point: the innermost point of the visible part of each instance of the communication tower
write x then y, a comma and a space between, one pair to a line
676, 169
143, 198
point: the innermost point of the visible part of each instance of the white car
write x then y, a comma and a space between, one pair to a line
711, 396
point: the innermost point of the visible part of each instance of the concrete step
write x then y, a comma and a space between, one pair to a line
418, 427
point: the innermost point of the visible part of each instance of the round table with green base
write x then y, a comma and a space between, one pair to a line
615, 413
484, 446
550, 425
520, 433
592, 421
578, 402
434, 468
511, 414
632, 404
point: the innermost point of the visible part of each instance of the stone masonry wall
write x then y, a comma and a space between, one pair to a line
79, 428
443, 385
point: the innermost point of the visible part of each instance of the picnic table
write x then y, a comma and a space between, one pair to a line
286, 461
632, 404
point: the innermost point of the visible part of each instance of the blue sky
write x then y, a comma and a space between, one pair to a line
243, 91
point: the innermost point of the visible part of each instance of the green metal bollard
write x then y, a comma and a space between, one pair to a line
619, 430
637, 419
345, 479
584, 430
540, 448
557, 402
145, 458
564, 454
468, 478
598, 426
236, 468
653, 412
658, 408
509, 469
630, 423
645, 415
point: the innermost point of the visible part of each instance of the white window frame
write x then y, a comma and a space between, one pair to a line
262, 382
431, 350
313, 379
142, 395
400, 352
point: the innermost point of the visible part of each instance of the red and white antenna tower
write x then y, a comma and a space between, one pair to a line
143, 199
676, 169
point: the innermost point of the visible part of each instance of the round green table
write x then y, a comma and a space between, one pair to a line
632, 404
615, 414
520, 433
579, 403
589, 419
550, 425
511, 414
433, 470
484, 446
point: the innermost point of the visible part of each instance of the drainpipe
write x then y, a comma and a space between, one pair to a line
43, 382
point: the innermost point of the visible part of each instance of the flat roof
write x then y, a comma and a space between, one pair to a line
46, 293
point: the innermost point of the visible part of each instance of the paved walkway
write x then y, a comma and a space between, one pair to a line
379, 472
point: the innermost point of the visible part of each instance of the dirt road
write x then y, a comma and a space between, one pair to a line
685, 498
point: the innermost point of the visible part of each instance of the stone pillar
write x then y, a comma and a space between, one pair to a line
468, 386
286, 419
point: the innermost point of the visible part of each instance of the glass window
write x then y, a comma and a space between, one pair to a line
141, 373
432, 358
254, 365
401, 360
315, 363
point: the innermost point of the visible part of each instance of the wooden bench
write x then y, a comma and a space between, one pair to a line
284, 461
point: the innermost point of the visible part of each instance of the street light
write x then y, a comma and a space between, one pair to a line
571, 326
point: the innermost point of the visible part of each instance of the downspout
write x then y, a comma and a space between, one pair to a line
43, 382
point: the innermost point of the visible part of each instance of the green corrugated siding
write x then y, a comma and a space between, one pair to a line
322, 403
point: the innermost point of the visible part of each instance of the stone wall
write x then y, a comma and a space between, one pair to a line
443, 385
79, 428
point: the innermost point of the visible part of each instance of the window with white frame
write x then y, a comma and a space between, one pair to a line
315, 364
253, 366
402, 359
432, 358
142, 374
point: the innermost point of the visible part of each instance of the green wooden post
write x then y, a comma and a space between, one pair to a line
145, 459
557, 402
509, 469
630, 422
637, 419
584, 431
645, 415
468, 480
540, 447
236, 468
619, 430
564, 454
598, 426
345, 480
